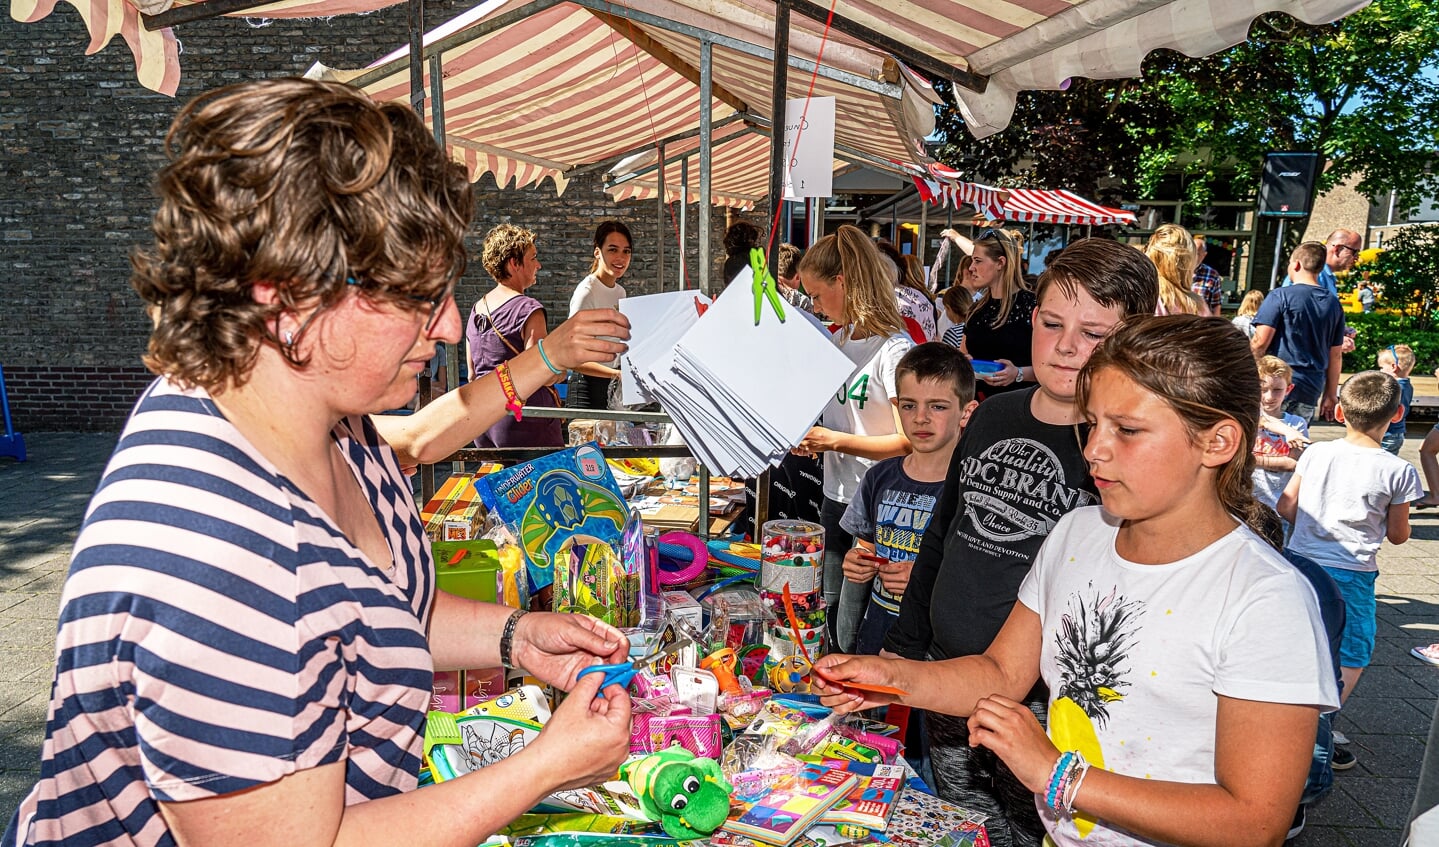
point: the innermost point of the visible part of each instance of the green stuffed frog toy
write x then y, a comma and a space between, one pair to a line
687, 794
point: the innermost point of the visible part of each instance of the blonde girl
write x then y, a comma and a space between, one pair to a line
1000, 326
1248, 308
852, 286
1185, 658
1171, 249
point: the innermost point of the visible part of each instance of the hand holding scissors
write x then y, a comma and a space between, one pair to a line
623, 673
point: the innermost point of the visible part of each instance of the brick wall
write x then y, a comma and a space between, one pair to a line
79, 142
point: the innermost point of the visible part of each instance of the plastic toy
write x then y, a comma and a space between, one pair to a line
688, 795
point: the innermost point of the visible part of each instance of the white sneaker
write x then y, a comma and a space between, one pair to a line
1339, 737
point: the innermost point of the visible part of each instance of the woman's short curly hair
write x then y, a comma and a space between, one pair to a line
503, 243
303, 185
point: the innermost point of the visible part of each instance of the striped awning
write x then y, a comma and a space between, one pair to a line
607, 87
1001, 46
1031, 205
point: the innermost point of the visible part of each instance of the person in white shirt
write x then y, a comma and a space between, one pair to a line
852, 287
589, 385
1186, 660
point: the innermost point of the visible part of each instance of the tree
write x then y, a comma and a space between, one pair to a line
1408, 273
1362, 92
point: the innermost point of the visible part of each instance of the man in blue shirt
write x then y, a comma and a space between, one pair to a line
1341, 251
1304, 326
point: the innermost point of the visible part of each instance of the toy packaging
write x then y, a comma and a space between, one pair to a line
561, 501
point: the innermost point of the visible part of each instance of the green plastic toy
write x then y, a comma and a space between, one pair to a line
687, 794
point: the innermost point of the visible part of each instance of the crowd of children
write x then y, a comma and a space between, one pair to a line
1149, 669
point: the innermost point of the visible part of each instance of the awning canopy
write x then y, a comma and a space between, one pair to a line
943, 188
613, 83
992, 48
1038, 206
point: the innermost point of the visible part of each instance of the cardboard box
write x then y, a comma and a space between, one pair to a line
455, 512
686, 608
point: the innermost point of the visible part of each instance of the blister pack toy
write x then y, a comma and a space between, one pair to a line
552, 501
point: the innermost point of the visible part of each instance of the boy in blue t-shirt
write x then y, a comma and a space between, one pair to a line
889, 513
1397, 360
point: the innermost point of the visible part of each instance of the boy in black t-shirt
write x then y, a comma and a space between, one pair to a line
1018, 467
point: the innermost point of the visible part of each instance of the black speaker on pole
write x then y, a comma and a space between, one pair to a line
1287, 184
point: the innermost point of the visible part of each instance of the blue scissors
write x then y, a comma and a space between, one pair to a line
623, 673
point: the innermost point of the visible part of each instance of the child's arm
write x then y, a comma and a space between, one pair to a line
820, 438
1288, 505
1262, 752
1397, 526
1270, 462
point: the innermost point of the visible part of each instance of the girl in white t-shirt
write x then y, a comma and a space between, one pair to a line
589, 385
1185, 658
852, 287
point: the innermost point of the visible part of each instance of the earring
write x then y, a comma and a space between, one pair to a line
289, 338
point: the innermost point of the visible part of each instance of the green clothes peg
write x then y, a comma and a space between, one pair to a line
764, 286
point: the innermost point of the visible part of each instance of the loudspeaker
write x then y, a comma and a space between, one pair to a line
1287, 183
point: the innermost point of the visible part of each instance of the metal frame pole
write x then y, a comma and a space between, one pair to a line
684, 217
706, 120
660, 221
779, 90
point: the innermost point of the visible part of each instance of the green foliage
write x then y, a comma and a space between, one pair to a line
1363, 92
1378, 330
1407, 273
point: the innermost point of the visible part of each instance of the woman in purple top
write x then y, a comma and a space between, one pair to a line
505, 322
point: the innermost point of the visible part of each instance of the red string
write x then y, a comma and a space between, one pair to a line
777, 133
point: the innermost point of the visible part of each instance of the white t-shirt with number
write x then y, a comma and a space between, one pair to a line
861, 406
1137, 656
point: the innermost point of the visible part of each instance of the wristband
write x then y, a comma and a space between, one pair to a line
507, 638
546, 359
512, 397
1072, 792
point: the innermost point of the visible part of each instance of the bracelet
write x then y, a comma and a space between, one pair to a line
546, 359
1073, 793
507, 637
1057, 776
512, 397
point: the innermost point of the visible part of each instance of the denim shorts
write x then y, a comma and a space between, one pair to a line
1356, 645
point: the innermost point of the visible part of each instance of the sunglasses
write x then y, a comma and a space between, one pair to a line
1340, 249
432, 317
995, 233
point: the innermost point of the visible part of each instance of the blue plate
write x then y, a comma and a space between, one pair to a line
984, 366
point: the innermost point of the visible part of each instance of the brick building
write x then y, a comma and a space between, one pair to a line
80, 139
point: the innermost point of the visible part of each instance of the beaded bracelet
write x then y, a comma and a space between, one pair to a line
512, 397
1057, 777
507, 638
546, 359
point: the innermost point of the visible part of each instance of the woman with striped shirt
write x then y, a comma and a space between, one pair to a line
250, 624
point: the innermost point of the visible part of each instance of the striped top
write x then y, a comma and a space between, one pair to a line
218, 632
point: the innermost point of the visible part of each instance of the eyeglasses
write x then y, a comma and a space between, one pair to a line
1339, 249
436, 306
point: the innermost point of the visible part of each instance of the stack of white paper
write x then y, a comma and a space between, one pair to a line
742, 395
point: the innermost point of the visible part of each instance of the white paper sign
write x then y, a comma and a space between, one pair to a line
809, 166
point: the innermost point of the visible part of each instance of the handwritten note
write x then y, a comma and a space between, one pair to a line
808, 148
